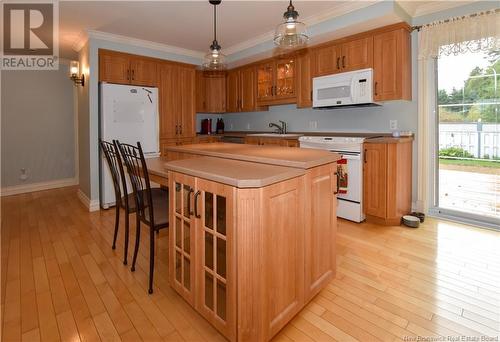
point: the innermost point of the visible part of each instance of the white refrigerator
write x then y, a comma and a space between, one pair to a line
128, 114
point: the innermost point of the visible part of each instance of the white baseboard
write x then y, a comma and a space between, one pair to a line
90, 205
25, 188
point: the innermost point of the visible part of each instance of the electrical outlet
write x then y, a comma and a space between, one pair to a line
313, 124
230, 126
393, 124
24, 175
248, 125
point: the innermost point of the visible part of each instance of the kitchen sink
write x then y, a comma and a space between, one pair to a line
275, 135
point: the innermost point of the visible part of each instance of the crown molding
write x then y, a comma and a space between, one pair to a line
431, 7
344, 8
147, 44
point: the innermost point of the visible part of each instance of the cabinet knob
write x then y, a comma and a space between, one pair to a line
375, 86
128, 74
338, 63
343, 61
364, 156
133, 74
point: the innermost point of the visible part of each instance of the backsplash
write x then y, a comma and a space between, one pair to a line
363, 119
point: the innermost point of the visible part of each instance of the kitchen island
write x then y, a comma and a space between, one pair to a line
252, 232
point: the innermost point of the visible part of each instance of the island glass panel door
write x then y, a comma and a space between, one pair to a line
182, 240
216, 267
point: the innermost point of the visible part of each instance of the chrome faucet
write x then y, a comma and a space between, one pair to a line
280, 129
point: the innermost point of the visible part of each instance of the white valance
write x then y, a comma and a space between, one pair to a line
479, 32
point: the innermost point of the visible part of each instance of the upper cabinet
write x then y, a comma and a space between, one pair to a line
304, 81
241, 90
276, 81
121, 68
210, 92
392, 65
177, 101
387, 50
357, 54
341, 57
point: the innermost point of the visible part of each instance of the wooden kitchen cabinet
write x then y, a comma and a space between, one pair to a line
252, 140
122, 68
233, 91
326, 60
201, 104
182, 236
210, 92
244, 286
241, 86
343, 56
276, 81
392, 65
177, 101
387, 180
143, 71
357, 54
202, 248
215, 245
304, 81
320, 233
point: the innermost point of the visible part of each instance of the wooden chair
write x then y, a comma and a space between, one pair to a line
152, 204
126, 202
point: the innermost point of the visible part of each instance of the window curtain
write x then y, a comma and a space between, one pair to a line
477, 32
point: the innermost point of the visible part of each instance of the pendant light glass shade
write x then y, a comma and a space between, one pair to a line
291, 34
214, 60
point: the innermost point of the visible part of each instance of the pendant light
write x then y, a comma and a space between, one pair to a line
214, 59
291, 34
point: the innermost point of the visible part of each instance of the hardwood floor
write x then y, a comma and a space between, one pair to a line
62, 281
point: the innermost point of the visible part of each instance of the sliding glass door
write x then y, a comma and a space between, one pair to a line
468, 146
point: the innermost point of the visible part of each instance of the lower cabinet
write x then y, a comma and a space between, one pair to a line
181, 236
202, 244
249, 259
387, 180
271, 141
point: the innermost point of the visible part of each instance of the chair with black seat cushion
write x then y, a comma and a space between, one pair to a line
151, 203
127, 202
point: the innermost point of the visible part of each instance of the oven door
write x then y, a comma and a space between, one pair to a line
349, 173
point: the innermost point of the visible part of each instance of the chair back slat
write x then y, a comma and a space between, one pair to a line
135, 163
113, 160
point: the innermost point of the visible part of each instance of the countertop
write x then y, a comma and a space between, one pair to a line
240, 174
301, 158
370, 137
388, 140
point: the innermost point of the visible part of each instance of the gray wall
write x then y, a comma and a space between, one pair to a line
38, 128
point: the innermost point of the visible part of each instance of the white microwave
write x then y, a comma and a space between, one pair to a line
354, 88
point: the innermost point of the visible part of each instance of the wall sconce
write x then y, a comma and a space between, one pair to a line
74, 69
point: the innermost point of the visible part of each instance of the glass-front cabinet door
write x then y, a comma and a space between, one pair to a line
216, 262
285, 78
181, 235
265, 81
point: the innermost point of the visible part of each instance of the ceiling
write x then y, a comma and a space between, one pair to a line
188, 24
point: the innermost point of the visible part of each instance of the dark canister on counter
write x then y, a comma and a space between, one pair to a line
220, 126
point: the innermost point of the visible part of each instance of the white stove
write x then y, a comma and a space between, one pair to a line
347, 144
349, 172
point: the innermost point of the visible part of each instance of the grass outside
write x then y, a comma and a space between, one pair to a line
469, 162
